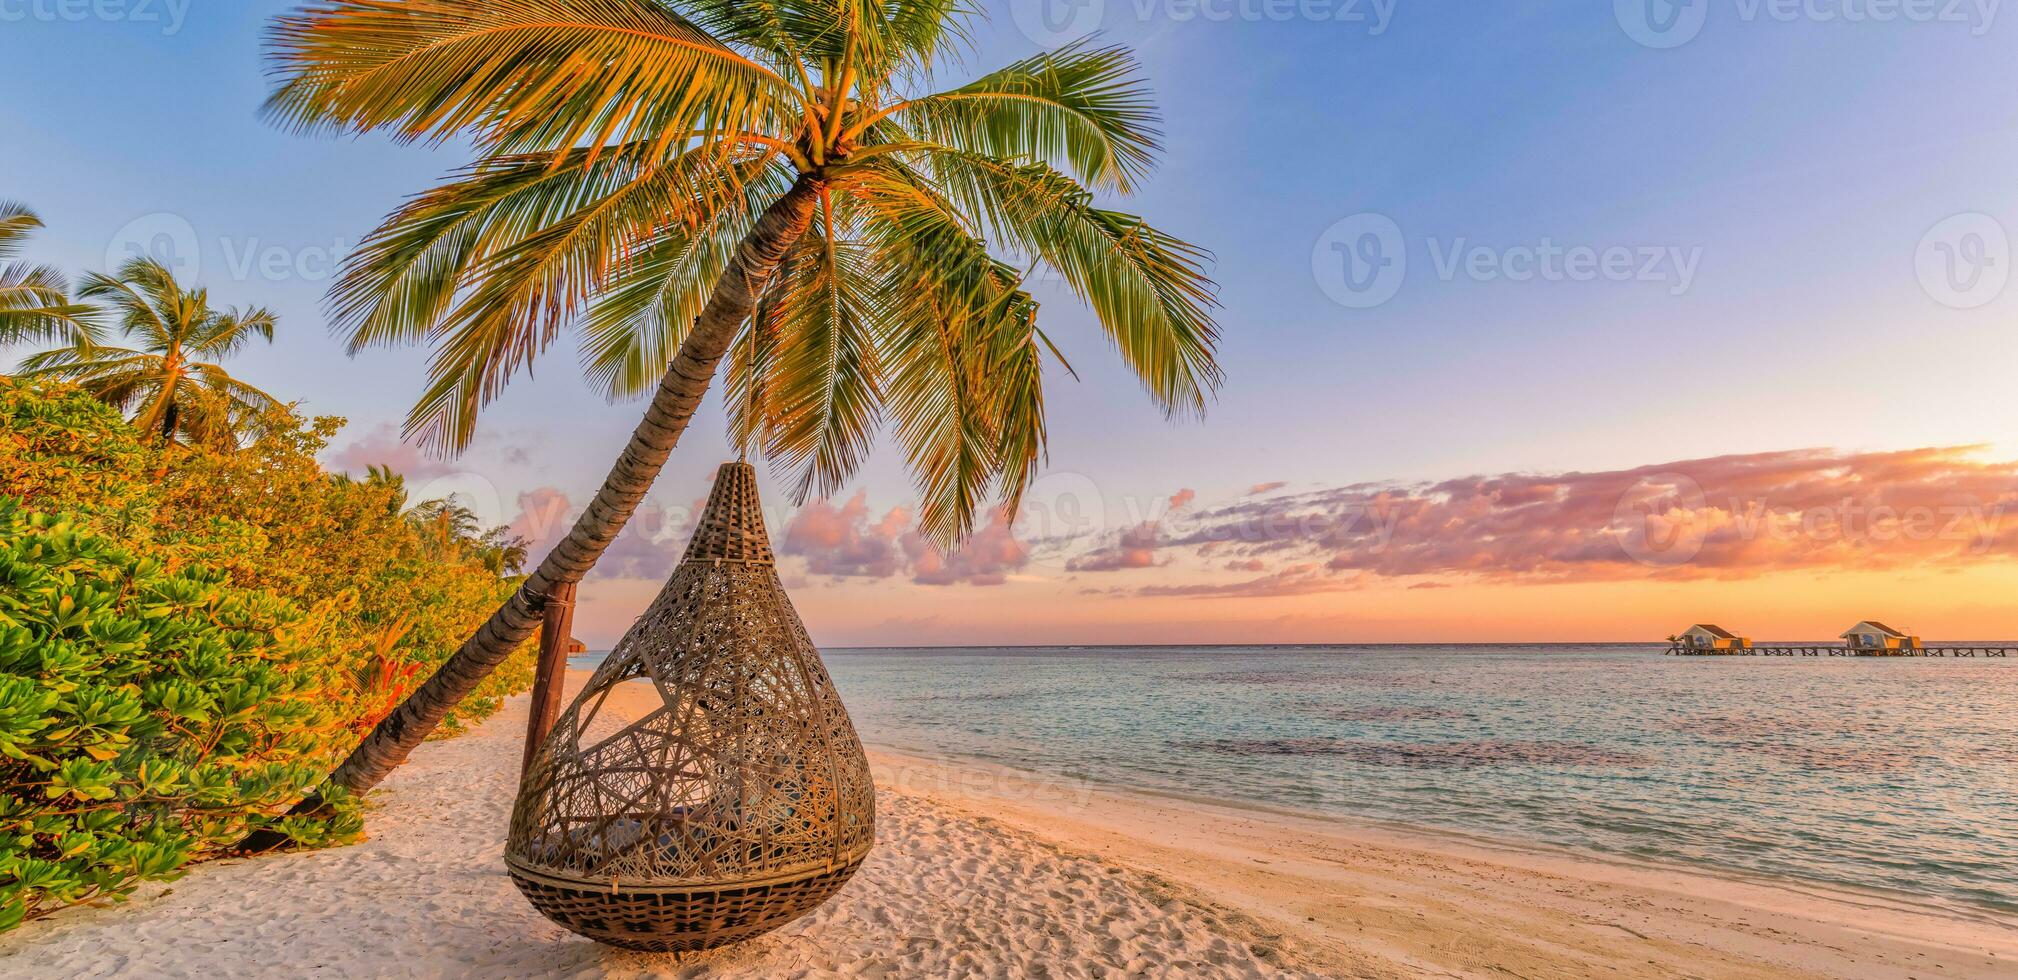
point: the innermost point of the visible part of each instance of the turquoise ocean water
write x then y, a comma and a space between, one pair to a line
1893, 774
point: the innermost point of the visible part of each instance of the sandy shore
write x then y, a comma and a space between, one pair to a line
984, 872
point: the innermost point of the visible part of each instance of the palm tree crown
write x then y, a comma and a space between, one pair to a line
170, 380
34, 299
628, 148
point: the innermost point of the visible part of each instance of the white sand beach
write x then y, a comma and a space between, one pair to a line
984, 872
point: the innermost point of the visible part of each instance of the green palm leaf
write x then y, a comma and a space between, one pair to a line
1078, 107
35, 299
520, 75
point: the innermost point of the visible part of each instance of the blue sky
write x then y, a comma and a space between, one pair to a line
1795, 158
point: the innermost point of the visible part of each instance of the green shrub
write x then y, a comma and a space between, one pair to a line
174, 579
147, 717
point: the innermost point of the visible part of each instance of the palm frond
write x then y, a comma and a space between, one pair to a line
1078, 108
35, 299
807, 384
17, 222
35, 305
520, 75
142, 294
225, 334
1149, 290
635, 325
957, 351
401, 280
518, 300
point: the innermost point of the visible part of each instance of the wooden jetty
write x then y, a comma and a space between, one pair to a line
1825, 650
1869, 638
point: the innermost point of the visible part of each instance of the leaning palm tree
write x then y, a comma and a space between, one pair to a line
170, 380
774, 185
34, 300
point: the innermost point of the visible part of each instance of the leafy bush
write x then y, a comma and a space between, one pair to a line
66, 452
147, 717
248, 570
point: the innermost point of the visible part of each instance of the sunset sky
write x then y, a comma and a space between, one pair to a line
1539, 324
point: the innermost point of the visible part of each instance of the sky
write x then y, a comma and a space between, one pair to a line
1541, 322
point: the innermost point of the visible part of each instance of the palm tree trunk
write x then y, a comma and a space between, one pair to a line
679, 394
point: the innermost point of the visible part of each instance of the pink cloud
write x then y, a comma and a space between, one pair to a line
1305, 579
382, 446
1261, 488
647, 548
847, 542
1136, 548
842, 541
1727, 517
987, 557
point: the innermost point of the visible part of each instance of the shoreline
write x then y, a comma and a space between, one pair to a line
1344, 891
981, 869
1432, 836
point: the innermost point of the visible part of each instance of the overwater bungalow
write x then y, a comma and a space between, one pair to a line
1704, 636
1877, 639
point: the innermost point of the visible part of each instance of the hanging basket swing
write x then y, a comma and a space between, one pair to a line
739, 803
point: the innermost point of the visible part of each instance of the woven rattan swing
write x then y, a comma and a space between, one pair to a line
740, 803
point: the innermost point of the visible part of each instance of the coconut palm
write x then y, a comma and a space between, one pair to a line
775, 185
453, 529
34, 299
170, 380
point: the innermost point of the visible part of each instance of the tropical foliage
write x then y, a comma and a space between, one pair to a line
34, 300
146, 716
140, 616
171, 380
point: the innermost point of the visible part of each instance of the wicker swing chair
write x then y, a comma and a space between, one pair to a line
740, 803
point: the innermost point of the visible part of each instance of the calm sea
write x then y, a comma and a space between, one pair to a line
1894, 774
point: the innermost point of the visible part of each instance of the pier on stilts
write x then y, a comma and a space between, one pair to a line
1869, 638
1827, 650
